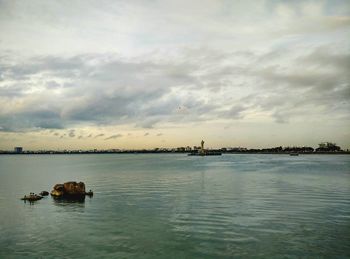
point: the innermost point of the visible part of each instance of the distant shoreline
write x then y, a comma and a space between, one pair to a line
176, 152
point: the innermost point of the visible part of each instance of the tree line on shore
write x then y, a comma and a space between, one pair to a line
328, 148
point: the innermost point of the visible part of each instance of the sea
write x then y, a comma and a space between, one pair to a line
177, 206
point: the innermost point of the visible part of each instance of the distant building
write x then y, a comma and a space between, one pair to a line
181, 149
236, 149
298, 149
328, 147
18, 149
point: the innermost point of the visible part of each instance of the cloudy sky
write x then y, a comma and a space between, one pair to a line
156, 73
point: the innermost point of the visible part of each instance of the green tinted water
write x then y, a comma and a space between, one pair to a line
175, 206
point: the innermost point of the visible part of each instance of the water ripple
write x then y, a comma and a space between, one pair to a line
160, 206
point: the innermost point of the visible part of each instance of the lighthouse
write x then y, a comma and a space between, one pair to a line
202, 147
203, 152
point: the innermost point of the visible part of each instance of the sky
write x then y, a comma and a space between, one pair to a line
145, 74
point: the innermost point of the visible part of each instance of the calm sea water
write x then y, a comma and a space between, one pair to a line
175, 206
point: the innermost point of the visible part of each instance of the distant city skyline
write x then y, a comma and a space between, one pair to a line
323, 148
147, 74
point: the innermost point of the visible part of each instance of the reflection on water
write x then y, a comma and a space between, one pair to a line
71, 202
161, 206
29, 202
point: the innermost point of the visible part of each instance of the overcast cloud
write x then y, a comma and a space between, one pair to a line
150, 64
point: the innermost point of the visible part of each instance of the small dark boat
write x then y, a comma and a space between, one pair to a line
206, 153
32, 197
293, 154
89, 193
44, 193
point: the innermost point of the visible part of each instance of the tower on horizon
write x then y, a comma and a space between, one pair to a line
18, 149
202, 146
